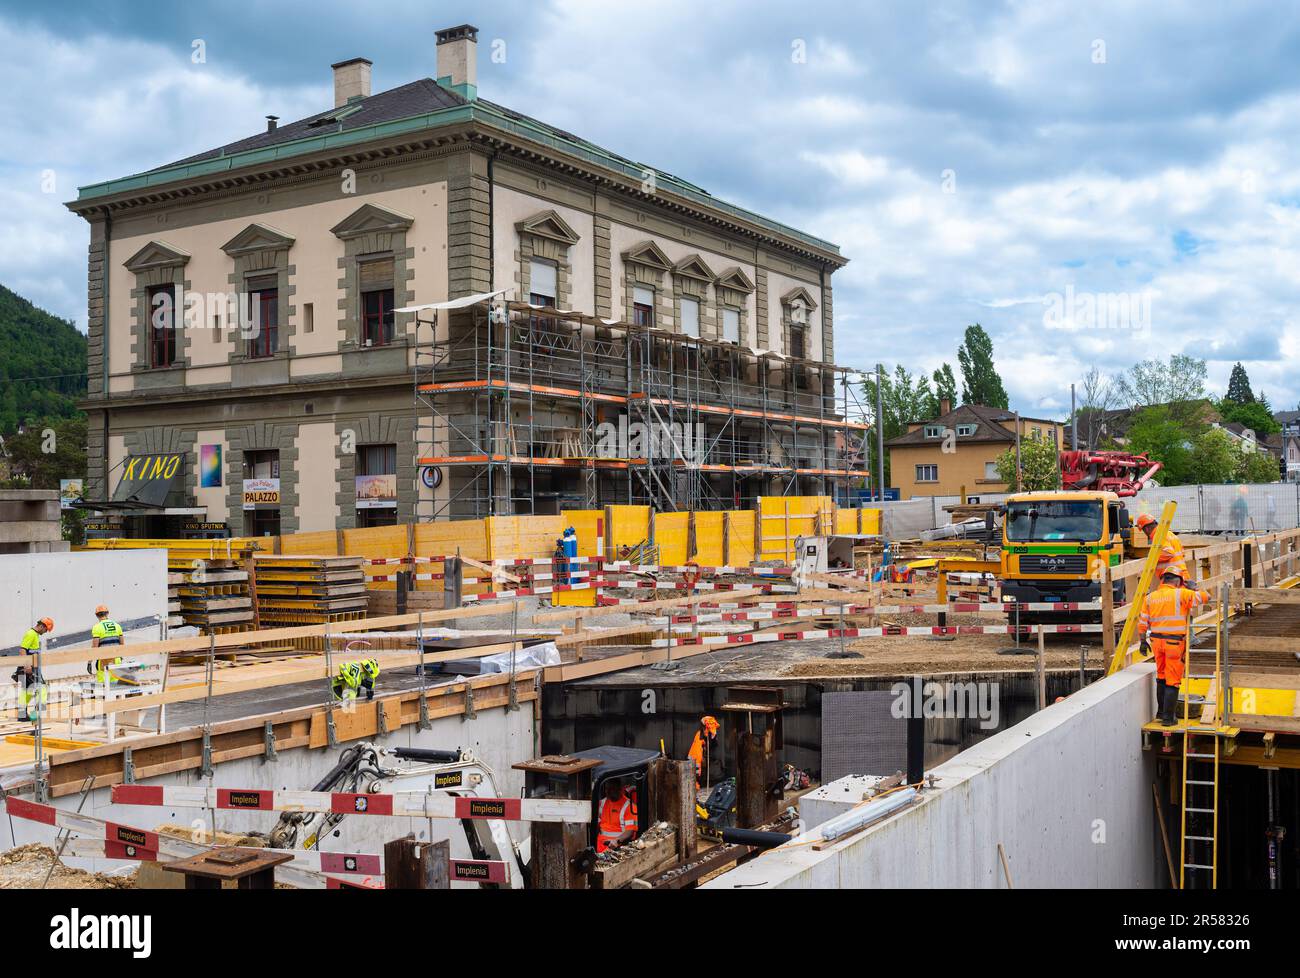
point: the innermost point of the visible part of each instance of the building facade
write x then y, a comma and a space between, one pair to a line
957, 452
244, 330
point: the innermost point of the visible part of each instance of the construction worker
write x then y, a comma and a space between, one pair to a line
618, 819
105, 632
347, 681
1172, 556
369, 676
707, 730
1163, 627
31, 684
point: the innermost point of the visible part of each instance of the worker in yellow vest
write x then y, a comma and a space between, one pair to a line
106, 632
1163, 627
31, 684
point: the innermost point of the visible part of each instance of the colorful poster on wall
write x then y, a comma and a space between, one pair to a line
261, 493
376, 492
71, 492
209, 466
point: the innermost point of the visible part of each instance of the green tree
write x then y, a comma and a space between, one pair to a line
980, 383
1239, 391
1180, 383
47, 452
1156, 432
42, 364
1038, 465
945, 388
904, 397
1253, 414
1256, 467
1215, 458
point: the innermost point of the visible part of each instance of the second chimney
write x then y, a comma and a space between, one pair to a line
458, 60
351, 80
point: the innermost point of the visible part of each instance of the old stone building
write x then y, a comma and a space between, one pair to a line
245, 332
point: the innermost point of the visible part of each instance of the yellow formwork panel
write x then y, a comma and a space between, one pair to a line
785, 518
377, 541
518, 537
710, 539
323, 543
1261, 702
587, 523
585, 598
740, 537
466, 537
627, 526
870, 521
846, 521
672, 537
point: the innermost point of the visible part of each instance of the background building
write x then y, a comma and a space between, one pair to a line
325, 227
959, 450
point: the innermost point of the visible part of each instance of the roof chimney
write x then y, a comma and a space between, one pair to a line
271, 122
945, 407
458, 60
351, 80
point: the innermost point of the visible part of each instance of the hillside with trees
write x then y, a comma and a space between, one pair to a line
42, 364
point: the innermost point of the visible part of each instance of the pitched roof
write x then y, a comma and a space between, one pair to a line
989, 422
406, 104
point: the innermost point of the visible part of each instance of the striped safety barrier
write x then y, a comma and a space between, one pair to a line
433, 804
749, 638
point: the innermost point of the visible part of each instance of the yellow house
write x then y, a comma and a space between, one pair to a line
959, 449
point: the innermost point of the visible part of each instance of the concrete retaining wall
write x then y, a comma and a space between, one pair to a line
68, 586
1067, 793
498, 737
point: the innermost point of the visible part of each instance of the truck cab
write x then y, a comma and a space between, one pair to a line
1055, 546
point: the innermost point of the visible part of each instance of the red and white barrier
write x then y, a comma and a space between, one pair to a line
435, 804
753, 638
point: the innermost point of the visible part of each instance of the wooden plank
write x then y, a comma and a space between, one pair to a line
653, 859
1262, 722
571, 613
1265, 643
413, 865
1251, 679
1264, 595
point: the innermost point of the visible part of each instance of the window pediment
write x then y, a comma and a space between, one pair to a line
549, 225
257, 237
156, 255
735, 279
693, 266
368, 219
648, 253
799, 293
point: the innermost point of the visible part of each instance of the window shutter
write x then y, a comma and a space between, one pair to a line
690, 317
376, 275
541, 280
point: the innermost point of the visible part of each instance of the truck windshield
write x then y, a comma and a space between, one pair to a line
1047, 520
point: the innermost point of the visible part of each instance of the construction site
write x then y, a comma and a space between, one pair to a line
788, 696
536, 539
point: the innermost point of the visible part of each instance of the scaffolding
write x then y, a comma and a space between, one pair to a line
532, 410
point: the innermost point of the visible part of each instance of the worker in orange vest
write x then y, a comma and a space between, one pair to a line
618, 819
707, 730
1163, 627
1172, 556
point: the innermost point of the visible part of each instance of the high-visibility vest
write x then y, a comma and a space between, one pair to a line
1172, 558
108, 632
696, 753
31, 641
1165, 611
617, 817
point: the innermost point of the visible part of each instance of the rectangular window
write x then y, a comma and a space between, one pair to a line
927, 473
934, 431
308, 317
731, 325
377, 460
263, 316
991, 471
798, 342
262, 464
691, 317
542, 286
162, 325
643, 306
965, 430
376, 278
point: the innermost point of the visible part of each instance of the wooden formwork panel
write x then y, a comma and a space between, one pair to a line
511, 537
740, 537
627, 526
672, 537
323, 542
710, 539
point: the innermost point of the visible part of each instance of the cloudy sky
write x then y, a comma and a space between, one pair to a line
1022, 165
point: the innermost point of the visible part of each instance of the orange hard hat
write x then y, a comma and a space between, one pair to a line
47, 622
710, 724
1145, 520
101, 609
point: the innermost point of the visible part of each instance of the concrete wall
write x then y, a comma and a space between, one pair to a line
498, 737
68, 586
1067, 793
